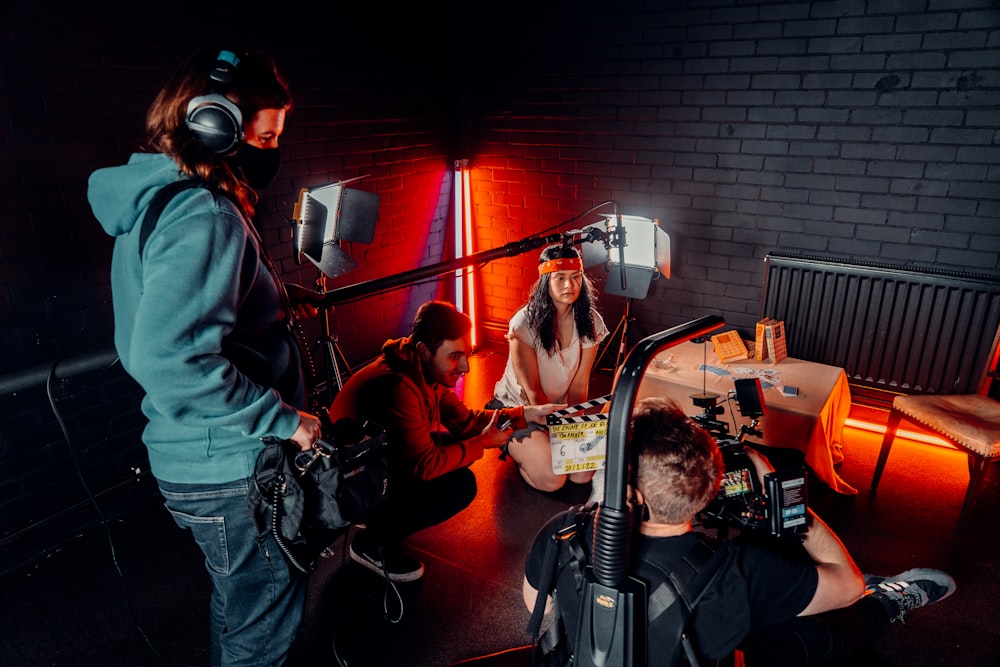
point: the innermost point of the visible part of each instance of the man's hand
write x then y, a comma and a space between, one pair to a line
495, 436
305, 302
840, 583
760, 463
537, 413
308, 432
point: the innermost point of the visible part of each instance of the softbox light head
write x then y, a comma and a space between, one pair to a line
329, 214
646, 253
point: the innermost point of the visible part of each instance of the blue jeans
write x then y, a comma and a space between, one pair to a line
257, 602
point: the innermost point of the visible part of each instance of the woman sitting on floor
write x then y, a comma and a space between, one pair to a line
552, 341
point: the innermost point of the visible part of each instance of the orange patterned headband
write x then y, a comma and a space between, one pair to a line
565, 264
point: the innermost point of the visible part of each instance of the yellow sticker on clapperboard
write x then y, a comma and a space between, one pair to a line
579, 445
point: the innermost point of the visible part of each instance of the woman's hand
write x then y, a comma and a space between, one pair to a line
537, 413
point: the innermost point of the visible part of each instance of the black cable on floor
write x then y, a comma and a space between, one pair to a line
104, 523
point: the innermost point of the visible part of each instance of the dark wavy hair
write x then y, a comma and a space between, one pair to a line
256, 85
678, 465
541, 311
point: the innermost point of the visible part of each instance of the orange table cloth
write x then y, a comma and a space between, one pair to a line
811, 421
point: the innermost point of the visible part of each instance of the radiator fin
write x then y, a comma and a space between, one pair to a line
891, 328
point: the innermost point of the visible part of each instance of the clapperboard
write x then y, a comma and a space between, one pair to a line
578, 443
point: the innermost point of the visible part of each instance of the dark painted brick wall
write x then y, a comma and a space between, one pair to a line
864, 130
861, 130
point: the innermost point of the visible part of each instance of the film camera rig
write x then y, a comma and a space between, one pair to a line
774, 506
612, 623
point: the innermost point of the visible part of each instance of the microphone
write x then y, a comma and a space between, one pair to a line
587, 235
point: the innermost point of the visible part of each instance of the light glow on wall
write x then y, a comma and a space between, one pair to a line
465, 292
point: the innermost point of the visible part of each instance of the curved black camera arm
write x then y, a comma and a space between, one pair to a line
612, 534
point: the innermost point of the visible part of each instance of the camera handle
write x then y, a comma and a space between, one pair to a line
750, 429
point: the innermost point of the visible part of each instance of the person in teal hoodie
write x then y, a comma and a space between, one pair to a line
201, 290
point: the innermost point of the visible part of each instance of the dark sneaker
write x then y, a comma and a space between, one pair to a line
871, 581
908, 590
397, 566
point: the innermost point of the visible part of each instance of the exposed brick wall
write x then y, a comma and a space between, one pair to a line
848, 128
855, 129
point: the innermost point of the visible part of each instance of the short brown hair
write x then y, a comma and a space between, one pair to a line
438, 321
679, 465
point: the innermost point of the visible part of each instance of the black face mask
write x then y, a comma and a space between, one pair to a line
258, 165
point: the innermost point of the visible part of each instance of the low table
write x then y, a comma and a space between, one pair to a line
811, 421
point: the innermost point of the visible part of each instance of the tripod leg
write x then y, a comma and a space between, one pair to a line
623, 343
331, 359
608, 341
335, 358
341, 360
623, 346
334, 355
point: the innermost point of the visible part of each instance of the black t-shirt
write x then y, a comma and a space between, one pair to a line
758, 587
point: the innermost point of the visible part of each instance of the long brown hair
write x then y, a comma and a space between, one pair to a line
256, 85
541, 311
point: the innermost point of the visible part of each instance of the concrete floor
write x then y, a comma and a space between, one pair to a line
141, 597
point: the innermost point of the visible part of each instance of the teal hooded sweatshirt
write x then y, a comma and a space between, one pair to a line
200, 282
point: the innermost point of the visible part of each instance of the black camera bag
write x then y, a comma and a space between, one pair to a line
306, 499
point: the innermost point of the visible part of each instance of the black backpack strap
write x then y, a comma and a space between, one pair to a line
547, 648
568, 533
680, 589
159, 202
674, 583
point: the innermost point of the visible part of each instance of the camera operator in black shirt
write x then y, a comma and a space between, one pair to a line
779, 603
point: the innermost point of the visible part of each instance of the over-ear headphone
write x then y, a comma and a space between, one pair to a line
213, 119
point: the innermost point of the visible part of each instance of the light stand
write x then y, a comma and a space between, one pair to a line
324, 217
621, 330
334, 355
